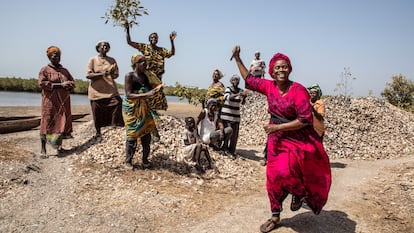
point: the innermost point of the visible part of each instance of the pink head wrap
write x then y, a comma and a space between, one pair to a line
278, 56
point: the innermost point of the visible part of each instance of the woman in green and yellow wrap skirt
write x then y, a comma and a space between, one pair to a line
139, 116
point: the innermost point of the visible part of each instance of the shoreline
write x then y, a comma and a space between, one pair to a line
179, 110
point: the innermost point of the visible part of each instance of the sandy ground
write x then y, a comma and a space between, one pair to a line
58, 195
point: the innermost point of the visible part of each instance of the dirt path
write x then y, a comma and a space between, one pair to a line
61, 195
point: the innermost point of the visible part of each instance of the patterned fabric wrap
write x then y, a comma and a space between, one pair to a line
138, 116
216, 93
155, 58
55, 139
159, 101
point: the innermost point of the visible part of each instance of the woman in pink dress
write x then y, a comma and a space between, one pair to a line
297, 163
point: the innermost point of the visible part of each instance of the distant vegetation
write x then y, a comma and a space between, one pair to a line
31, 85
400, 92
194, 95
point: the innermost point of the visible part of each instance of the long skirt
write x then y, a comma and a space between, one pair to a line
107, 112
299, 170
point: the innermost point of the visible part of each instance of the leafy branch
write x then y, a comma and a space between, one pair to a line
125, 12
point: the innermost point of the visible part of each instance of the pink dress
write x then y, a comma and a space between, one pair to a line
296, 160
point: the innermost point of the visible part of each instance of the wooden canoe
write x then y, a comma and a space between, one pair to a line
13, 125
79, 116
17, 124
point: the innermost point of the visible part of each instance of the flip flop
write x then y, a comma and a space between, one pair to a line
296, 203
269, 225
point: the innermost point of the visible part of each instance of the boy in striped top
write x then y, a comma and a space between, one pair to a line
230, 112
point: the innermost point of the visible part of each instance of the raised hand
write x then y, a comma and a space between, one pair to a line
235, 52
173, 35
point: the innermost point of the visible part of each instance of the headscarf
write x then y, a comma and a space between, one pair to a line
220, 73
278, 56
51, 50
211, 101
235, 76
135, 58
99, 42
315, 87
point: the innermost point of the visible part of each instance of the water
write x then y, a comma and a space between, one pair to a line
33, 99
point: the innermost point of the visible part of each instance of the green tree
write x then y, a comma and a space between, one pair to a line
194, 95
400, 92
81, 86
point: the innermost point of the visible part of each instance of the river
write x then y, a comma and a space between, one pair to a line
8, 98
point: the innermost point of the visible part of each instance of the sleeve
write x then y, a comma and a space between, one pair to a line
320, 107
258, 84
227, 93
141, 47
43, 80
166, 53
302, 104
264, 64
68, 75
90, 67
114, 69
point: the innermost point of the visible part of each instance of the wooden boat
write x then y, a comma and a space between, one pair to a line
17, 124
16, 118
79, 116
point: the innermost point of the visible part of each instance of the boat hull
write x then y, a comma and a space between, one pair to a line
17, 124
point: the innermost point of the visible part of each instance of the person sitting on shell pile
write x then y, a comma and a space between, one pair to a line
211, 128
193, 148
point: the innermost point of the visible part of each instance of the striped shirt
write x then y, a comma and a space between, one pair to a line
231, 108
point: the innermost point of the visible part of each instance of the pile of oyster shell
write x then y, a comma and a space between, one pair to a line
359, 128
356, 128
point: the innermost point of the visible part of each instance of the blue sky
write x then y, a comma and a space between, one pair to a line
375, 39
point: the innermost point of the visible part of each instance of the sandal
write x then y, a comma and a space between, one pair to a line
296, 203
269, 225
